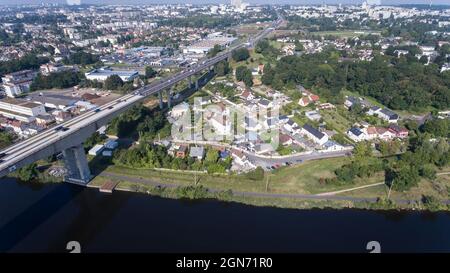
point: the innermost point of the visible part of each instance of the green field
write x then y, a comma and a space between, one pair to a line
298, 179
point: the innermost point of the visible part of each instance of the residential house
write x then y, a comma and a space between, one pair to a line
197, 152
291, 126
265, 104
314, 134
247, 95
398, 131
182, 151
356, 134
385, 134
388, 115
285, 139
308, 98
326, 105
313, 115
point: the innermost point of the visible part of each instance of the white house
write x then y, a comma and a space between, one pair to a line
314, 134
356, 134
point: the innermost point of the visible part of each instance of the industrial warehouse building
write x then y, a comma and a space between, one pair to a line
21, 110
205, 45
103, 73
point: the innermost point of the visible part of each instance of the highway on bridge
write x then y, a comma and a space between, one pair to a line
76, 130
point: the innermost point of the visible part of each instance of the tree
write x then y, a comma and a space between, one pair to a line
29, 61
93, 140
240, 54
256, 174
28, 172
212, 156
428, 171
299, 46
60, 80
6, 139
402, 177
113, 82
214, 51
81, 58
244, 74
437, 127
362, 150
149, 72
222, 68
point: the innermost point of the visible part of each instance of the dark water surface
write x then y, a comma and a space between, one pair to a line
42, 218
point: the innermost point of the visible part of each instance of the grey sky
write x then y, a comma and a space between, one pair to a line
3, 2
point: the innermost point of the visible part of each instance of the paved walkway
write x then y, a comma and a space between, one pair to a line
351, 189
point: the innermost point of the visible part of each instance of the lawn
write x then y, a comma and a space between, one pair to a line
220, 182
335, 120
302, 178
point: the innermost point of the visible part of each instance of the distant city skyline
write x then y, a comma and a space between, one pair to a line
298, 2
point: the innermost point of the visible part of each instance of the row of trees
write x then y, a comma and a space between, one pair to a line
240, 54
81, 58
63, 79
29, 61
266, 49
155, 156
401, 173
397, 83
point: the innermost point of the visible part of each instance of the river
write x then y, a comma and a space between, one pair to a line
44, 217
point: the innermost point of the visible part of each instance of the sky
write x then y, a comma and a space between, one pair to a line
8, 2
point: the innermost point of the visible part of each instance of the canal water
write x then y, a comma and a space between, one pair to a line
43, 218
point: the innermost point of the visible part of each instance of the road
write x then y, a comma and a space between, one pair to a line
294, 159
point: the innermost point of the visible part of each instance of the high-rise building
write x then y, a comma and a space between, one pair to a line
236, 3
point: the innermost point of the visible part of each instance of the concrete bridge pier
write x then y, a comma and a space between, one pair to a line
169, 97
196, 84
161, 105
77, 166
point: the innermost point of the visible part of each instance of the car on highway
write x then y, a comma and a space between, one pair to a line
2, 155
65, 129
58, 128
97, 110
110, 107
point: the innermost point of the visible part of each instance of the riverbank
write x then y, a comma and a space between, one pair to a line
299, 186
262, 199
